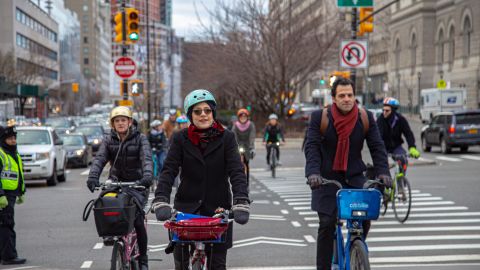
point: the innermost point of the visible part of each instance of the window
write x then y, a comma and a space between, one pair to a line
85, 40
85, 61
413, 52
440, 48
397, 55
467, 36
451, 45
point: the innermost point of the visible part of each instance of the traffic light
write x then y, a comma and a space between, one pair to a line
75, 87
291, 112
133, 24
367, 25
322, 81
118, 27
136, 87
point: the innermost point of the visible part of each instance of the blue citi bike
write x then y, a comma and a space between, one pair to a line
354, 206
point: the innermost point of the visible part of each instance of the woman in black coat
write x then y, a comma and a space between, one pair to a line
211, 172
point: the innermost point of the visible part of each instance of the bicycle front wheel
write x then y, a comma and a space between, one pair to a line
359, 256
402, 201
273, 160
118, 261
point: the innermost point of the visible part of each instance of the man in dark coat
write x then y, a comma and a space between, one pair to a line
130, 157
212, 175
336, 155
12, 190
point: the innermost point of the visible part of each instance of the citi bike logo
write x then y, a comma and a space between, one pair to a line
360, 205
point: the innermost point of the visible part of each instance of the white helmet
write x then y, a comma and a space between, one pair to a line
272, 116
155, 123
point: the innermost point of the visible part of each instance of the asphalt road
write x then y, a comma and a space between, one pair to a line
443, 231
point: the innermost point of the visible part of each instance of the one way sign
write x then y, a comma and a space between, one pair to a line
354, 54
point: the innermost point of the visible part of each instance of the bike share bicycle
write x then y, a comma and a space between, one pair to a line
400, 195
197, 232
245, 162
273, 157
354, 206
114, 213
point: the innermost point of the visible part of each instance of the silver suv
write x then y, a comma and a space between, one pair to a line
42, 153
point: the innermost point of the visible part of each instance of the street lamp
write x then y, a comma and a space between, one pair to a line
419, 76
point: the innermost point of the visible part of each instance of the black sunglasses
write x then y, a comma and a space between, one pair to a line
198, 112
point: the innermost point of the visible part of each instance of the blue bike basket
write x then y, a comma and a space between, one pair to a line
359, 204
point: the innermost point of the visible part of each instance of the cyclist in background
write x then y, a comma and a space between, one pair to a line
273, 134
129, 153
392, 125
169, 124
244, 131
212, 175
158, 143
182, 122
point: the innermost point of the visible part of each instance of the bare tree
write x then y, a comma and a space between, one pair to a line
261, 56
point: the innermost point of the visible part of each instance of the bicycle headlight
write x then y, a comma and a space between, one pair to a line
241, 150
277, 143
358, 213
42, 156
96, 141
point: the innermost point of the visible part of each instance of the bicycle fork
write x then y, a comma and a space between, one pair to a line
199, 254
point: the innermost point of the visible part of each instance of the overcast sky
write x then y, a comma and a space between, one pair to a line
184, 18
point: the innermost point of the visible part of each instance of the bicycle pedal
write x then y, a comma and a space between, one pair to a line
108, 241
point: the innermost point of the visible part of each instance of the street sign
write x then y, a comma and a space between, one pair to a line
125, 67
353, 54
122, 102
354, 3
441, 84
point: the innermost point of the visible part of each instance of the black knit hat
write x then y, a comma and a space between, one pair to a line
6, 132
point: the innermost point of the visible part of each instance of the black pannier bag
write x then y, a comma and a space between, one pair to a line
114, 213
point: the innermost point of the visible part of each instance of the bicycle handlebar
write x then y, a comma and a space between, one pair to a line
111, 184
368, 184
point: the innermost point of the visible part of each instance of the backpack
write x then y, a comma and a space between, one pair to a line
325, 120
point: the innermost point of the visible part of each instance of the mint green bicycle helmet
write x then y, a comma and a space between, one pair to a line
197, 96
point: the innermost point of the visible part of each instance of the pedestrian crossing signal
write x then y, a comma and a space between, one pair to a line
136, 87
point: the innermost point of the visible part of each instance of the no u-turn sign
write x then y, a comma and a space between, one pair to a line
354, 54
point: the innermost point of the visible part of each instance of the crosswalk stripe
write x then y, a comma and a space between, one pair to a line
371, 239
427, 209
424, 247
423, 259
448, 214
470, 157
437, 221
448, 158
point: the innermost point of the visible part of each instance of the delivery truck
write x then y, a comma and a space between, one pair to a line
437, 100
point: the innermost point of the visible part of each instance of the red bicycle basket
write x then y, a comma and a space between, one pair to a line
197, 229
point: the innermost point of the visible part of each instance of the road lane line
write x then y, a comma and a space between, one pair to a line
86, 264
296, 224
421, 259
424, 247
284, 211
262, 201
276, 202
431, 221
98, 246
298, 199
470, 157
309, 238
431, 203
427, 209
86, 172
423, 238
449, 214
67, 171
270, 242
448, 158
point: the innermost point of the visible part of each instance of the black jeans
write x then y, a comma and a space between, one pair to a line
141, 234
269, 150
8, 237
216, 256
326, 234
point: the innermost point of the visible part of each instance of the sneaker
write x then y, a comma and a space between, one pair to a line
15, 261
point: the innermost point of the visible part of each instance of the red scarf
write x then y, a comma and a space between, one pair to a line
197, 135
344, 124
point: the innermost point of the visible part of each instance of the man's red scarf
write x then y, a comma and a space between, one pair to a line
344, 124
197, 135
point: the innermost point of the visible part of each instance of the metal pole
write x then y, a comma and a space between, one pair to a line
353, 74
124, 47
148, 65
171, 68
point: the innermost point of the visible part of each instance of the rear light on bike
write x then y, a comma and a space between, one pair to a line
451, 129
111, 214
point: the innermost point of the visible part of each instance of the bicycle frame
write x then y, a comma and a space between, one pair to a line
273, 156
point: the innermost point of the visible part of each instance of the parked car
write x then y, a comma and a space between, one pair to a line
94, 134
61, 124
79, 152
452, 129
42, 153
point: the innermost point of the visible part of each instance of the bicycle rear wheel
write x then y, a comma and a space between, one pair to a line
359, 256
118, 261
402, 201
273, 162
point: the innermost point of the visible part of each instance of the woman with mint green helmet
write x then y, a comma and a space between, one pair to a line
211, 176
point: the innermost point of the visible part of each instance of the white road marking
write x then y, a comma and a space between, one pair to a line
98, 246
306, 213
309, 238
86, 264
427, 229
86, 172
423, 238
455, 214
301, 208
267, 217
276, 202
448, 158
470, 157
269, 240
262, 202
434, 221
298, 199
67, 171
428, 209
421, 259
424, 247
296, 224
284, 211
299, 203
432, 203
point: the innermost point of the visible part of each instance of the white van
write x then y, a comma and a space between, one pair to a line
436, 100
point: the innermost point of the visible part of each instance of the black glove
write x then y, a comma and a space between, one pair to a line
386, 180
146, 182
314, 181
241, 211
92, 183
162, 209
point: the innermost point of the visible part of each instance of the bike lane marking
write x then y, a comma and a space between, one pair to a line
98, 246
86, 264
